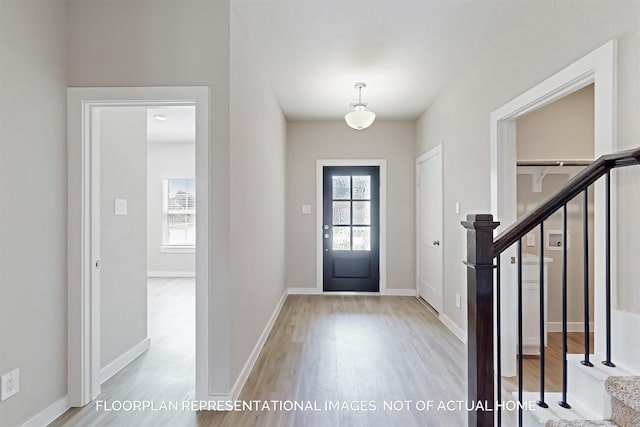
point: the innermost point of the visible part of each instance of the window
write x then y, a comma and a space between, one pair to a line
178, 214
351, 202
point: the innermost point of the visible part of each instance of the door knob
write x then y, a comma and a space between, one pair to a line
436, 243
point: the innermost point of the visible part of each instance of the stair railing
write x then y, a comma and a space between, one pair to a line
483, 250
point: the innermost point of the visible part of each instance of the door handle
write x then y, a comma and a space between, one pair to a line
436, 243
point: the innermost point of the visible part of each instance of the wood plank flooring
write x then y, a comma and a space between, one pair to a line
360, 351
355, 349
164, 372
553, 363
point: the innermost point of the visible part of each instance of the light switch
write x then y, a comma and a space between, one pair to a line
120, 206
306, 209
457, 207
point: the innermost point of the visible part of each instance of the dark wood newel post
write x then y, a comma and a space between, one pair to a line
480, 372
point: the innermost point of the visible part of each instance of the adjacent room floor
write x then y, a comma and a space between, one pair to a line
165, 372
343, 357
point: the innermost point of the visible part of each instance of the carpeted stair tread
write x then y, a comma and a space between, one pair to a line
626, 390
578, 423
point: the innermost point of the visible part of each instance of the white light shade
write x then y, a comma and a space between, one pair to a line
360, 119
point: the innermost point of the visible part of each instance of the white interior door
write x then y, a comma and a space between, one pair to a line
429, 226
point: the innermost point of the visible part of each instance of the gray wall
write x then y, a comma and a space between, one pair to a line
166, 160
459, 118
258, 136
563, 130
123, 238
391, 140
170, 44
527, 201
33, 186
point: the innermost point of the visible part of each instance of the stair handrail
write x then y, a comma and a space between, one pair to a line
483, 256
572, 188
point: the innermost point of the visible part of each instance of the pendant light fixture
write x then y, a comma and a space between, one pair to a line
360, 118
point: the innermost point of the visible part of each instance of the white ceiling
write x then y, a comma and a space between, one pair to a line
180, 125
313, 51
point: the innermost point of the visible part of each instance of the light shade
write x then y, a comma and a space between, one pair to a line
360, 119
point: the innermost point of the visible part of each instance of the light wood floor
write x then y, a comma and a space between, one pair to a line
164, 372
321, 349
552, 363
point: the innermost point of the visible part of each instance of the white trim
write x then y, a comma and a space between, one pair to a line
124, 359
50, 413
571, 327
83, 297
248, 366
178, 249
597, 67
435, 151
455, 329
400, 292
320, 164
303, 291
171, 274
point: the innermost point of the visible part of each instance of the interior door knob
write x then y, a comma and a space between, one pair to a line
436, 243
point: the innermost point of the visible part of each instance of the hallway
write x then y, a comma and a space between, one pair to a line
345, 356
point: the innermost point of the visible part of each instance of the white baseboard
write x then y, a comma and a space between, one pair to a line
303, 291
251, 361
455, 329
171, 274
571, 326
400, 292
50, 413
129, 356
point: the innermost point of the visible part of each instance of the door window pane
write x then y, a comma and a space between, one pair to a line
341, 187
341, 213
361, 187
362, 213
361, 239
341, 238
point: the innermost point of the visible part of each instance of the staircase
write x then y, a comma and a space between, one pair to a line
600, 396
594, 392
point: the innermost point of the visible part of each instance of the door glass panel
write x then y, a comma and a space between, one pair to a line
361, 239
341, 213
362, 213
341, 187
341, 238
361, 187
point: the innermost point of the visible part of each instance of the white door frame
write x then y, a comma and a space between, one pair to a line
435, 151
597, 67
320, 164
83, 179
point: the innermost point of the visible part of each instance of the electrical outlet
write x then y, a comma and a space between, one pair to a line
458, 302
10, 384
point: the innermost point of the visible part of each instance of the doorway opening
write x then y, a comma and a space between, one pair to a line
597, 68
89, 213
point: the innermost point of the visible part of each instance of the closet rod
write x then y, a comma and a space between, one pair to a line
554, 162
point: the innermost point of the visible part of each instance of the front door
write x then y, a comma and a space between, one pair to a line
351, 228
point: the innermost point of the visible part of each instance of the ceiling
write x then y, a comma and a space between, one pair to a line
179, 126
406, 51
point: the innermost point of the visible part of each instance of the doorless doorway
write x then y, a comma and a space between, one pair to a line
83, 236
